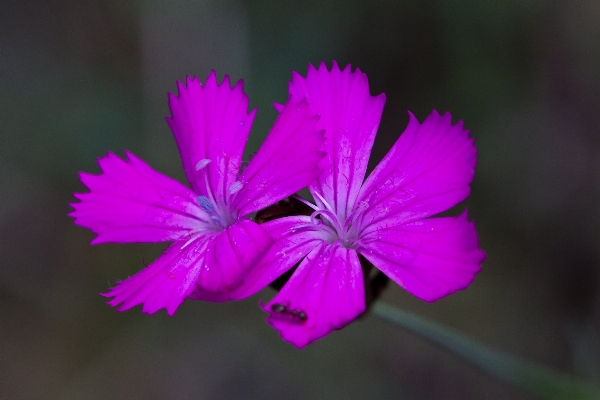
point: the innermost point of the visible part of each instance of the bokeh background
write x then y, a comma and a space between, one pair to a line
80, 78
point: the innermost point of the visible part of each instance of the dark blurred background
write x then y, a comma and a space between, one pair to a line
78, 79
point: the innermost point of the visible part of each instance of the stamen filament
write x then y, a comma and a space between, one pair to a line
322, 200
308, 203
330, 216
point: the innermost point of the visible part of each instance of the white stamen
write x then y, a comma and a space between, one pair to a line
202, 163
188, 242
235, 187
308, 203
329, 216
323, 201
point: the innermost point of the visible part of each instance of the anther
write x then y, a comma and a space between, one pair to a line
202, 163
235, 187
205, 203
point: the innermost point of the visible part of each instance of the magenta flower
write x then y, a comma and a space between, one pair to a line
215, 244
385, 219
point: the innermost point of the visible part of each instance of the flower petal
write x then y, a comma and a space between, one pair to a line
230, 256
214, 262
286, 162
210, 122
350, 117
427, 171
430, 258
166, 282
294, 242
328, 287
131, 202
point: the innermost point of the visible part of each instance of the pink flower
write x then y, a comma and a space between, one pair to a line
385, 219
215, 246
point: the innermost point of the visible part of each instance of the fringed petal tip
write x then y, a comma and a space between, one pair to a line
194, 86
435, 118
85, 176
122, 305
106, 165
335, 72
334, 68
443, 120
193, 82
127, 295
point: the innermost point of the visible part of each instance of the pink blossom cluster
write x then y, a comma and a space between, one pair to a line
322, 140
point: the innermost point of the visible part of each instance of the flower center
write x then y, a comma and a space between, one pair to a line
333, 231
329, 226
218, 213
216, 220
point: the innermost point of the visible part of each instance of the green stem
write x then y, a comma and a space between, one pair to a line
535, 378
